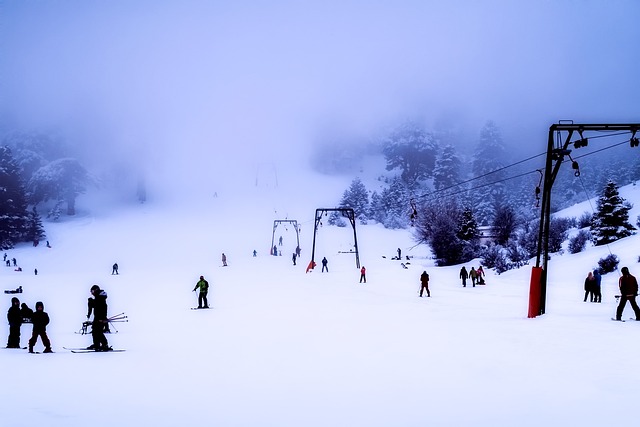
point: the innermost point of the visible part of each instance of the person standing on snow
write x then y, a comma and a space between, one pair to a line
597, 291
628, 292
293, 258
464, 275
324, 265
100, 319
40, 320
14, 316
589, 287
224, 260
114, 269
203, 285
424, 282
474, 276
363, 275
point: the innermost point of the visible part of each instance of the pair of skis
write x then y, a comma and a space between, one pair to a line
90, 350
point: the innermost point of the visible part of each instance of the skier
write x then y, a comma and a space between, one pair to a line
40, 320
589, 287
363, 275
202, 296
628, 292
114, 270
597, 297
298, 251
100, 320
464, 275
474, 276
255, 253
480, 273
424, 281
280, 241
275, 250
399, 254
293, 257
224, 260
15, 321
324, 264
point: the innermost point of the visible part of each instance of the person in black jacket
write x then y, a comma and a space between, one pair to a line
99, 306
26, 313
628, 292
424, 282
15, 321
40, 320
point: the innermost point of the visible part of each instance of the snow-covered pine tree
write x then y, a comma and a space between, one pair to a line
357, 198
34, 229
611, 221
447, 170
468, 228
13, 202
62, 179
489, 157
376, 211
394, 203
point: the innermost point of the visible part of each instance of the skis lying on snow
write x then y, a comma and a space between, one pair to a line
201, 308
90, 350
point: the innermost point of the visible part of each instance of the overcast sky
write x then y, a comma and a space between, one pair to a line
235, 82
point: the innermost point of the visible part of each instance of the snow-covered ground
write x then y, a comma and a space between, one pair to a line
282, 347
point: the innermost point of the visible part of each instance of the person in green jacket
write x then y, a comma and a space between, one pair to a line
204, 288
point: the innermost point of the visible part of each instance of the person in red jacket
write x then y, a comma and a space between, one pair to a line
363, 275
628, 292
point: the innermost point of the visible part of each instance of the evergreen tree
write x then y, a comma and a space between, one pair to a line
34, 229
468, 228
504, 224
412, 150
376, 211
13, 202
489, 157
447, 169
394, 203
611, 221
357, 198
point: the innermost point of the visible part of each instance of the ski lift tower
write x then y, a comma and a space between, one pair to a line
347, 213
557, 149
292, 222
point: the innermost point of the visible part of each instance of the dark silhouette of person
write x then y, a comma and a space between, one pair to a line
293, 258
114, 270
628, 292
363, 275
40, 320
203, 285
597, 292
100, 319
424, 281
399, 254
324, 265
464, 275
15, 321
589, 287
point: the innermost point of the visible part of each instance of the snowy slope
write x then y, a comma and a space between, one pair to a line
286, 348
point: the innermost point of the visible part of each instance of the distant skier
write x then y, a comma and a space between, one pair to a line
399, 254
464, 275
293, 258
35, 271
15, 321
589, 287
298, 251
100, 319
114, 269
363, 275
280, 241
424, 282
275, 250
203, 285
324, 265
597, 292
15, 263
474, 276
255, 253
224, 260
628, 292
480, 273
40, 320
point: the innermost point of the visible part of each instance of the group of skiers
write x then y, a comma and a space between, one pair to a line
18, 314
476, 276
592, 287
